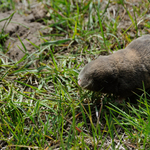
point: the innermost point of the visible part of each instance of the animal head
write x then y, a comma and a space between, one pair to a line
96, 75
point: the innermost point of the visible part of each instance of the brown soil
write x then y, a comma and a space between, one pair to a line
27, 28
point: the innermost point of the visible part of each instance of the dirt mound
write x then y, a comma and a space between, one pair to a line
26, 28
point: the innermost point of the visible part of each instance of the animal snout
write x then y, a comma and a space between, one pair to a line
79, 81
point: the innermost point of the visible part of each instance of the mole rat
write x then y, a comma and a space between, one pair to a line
121, 73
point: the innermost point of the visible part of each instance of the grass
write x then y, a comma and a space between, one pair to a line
41, 104
3, 35
7, 5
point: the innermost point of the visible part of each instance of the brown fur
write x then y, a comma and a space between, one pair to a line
121, 73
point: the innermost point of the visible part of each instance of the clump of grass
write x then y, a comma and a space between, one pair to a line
6, 5
3, 35
3, 38
136, 122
